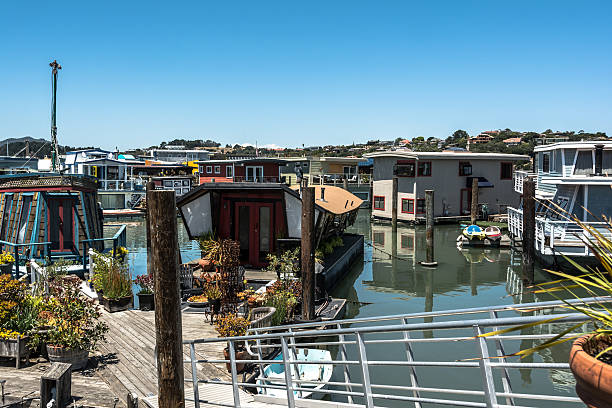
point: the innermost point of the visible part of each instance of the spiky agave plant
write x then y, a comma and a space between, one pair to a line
596, 281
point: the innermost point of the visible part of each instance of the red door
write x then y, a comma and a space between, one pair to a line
253, 229
61, 224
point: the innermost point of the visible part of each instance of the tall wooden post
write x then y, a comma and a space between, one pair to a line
308, 264
474, 208
528, 229
394, 204
168, 326
345, 183
150, 186
429, 228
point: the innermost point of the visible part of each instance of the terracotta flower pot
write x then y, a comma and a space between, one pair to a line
241, 354
593, 377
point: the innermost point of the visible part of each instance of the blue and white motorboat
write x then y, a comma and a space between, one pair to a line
473, 232
274, 374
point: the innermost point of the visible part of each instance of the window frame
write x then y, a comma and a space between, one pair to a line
419, 168
462, 165
229, 171
374, 198
501, 170
405, 163
410, 201
217, 169
209, 169
378, 234
546, 159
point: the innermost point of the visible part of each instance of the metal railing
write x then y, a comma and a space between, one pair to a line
16, 247
120, 185
337, 179
256, 179
118, 239
354, 341
562, 237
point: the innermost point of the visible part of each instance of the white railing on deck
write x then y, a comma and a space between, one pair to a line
358, 383
519, 177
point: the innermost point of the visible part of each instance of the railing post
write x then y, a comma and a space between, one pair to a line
410, 358
260, 357
485, 369
501, 353
232, 356
365, 371
343, 356
194, 375
288, 376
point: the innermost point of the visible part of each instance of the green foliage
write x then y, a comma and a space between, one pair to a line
57, 268
111, 276
283, 295
327, 247
287, 263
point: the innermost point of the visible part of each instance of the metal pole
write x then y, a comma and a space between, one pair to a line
308, 266
528, 229
394, 204
149, 187
55, 151
429, 228
168, 327
474, 207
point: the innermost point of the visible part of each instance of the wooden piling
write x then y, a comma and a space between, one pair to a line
150, 186
345, 183
474, 207
394, 204
429, 228
308, 264
528, 229
168, 324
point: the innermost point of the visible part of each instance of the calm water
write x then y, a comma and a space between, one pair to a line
391, 281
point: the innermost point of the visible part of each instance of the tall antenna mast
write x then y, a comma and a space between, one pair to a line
55, 167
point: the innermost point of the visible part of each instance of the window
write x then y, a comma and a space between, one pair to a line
378, 238
424, 169
379, 203
420, 207
465, 169
404, 168
506, 171
208, 169
229, 172
546, 163
407, 241
8, 202
408, 205
217, 169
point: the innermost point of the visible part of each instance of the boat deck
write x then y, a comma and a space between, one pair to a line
129, 352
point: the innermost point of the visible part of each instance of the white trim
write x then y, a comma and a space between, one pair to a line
593, 161
209, 169
217, 169
232, 171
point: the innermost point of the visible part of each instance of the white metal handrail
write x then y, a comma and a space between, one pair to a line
362, 391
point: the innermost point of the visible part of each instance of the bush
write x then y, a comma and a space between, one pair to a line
112, 277
231, 325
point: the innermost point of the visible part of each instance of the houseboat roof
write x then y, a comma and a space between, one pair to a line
335, 199
353, 160
574, 145
47, 181
454, 155
249, 160
204, 187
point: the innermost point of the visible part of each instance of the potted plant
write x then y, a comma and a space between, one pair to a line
213, 293
113, 283
231, 325
146, 299
6, 262
17, 318
591, 353
74, 327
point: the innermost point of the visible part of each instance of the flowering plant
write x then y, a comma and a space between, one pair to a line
198, 299
6, 334
245, 294
213, 292
6, 258
146, 283
232, 325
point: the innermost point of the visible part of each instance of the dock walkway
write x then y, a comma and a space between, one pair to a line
129, 352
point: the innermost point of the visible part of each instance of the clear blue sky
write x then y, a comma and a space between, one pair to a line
312, 72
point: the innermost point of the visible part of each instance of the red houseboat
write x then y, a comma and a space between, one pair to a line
257, 169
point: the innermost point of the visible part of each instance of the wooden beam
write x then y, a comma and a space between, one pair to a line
474, 207
308, 249
150, 186
168, 323
528, 229
394, 203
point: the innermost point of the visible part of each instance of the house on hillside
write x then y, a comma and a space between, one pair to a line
449, 174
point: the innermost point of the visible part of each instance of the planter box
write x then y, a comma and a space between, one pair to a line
117, 305
78, 358
15, 348
146, 301
6, 268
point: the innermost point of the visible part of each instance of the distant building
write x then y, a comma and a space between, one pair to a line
449, 174
257, 169
176, 154
513, 141
480, 139
551, 139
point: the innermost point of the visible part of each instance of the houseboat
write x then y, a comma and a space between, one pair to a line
450, 174
50, 215
572, 179
266, 218
353, 172
250, 170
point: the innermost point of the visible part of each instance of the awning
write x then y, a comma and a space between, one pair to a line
482, 182
366, 163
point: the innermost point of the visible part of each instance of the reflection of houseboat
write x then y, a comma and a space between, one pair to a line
572, 177
263, 216
49, 215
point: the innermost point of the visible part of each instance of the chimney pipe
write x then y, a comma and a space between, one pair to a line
598, 159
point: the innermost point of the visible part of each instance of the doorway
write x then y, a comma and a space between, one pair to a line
253, 223
61, 224
465, 201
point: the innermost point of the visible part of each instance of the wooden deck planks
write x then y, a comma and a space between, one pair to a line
131, 340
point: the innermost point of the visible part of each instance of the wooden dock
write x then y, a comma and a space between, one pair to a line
129, 352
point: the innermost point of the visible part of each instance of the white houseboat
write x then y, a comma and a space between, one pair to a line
575, 177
